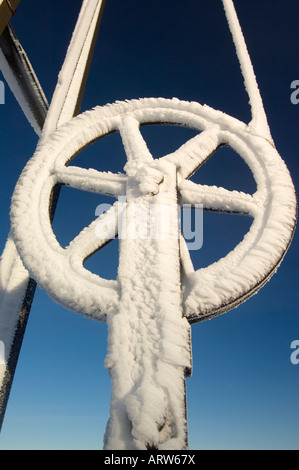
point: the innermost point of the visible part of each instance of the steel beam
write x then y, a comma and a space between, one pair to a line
7, 10
19, 74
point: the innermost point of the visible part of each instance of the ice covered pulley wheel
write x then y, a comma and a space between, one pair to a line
206, 292
148, 305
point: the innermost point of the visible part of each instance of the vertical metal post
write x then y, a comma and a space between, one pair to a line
147, 357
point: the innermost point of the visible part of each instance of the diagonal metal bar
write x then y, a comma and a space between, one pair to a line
20, 76
72, 78
193, 153
259, 122
67, 100
16, 287
7, 10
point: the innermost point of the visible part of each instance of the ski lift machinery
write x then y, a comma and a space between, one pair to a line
181, 295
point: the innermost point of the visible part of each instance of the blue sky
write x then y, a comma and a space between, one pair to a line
244, 390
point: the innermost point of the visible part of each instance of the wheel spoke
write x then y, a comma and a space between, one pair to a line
95, 236
191, 155
91, 180
134, 144
215, 198
186, 261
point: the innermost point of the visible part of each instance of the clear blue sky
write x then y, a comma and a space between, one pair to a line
244, 390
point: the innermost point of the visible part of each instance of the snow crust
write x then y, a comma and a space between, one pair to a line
148, 339
13, 284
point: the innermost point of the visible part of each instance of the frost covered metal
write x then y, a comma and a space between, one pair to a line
157, 294
16, 286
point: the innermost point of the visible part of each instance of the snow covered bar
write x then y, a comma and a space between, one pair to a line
16, 287
20, 76
7, 10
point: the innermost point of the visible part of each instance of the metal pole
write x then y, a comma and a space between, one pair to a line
144, 358
7, 10
65, 104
